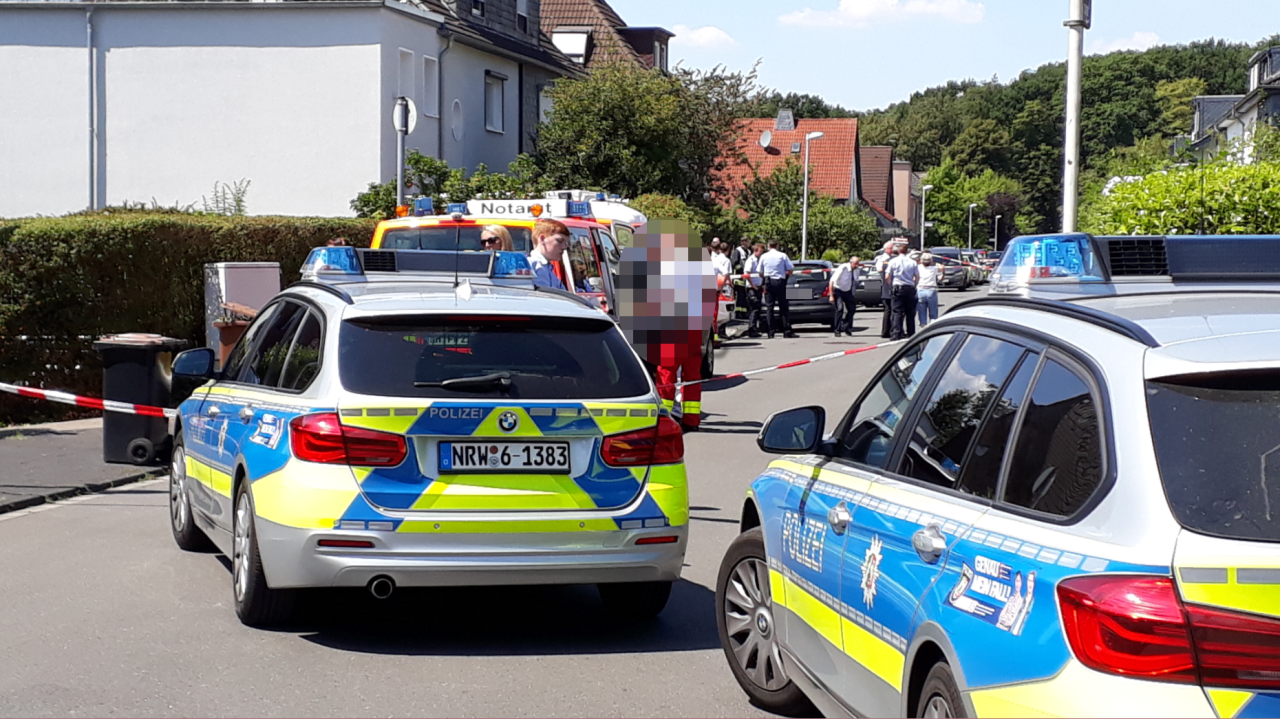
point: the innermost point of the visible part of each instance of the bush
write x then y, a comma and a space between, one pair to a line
66, 281
1217, 199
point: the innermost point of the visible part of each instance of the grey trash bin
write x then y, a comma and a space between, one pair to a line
136, 369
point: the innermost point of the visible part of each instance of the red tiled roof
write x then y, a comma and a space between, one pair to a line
831, 158
877, 175
603, 21
880, 210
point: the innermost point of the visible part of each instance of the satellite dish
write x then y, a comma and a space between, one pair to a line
765, 138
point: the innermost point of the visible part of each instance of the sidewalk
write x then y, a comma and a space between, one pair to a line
44, 462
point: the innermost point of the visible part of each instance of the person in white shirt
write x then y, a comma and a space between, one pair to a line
755, 285
720, 262
776, 268
843, 281
886, 294
927, 291
903, 273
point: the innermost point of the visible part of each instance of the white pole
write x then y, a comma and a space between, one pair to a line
924, 198
804, 213
1080, 18
971, 206
996, 240
402, 108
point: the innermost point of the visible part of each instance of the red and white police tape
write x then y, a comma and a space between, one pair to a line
788, 365
106, 405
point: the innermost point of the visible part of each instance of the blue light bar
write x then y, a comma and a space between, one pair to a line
1048, 258
458, 207
600, 196
578, 209
338, 260
423, 207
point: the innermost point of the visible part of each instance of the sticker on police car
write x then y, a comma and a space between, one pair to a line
993, 592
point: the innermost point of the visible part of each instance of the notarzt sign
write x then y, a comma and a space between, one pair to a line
522, 209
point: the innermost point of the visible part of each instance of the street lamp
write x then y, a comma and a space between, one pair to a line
971, 206
995, 241
804, 213
1081, 20
924, 198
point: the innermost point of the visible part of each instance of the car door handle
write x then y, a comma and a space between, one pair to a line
246, 414
929, 543
212, 412
839, 518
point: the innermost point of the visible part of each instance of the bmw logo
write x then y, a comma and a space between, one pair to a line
508, 422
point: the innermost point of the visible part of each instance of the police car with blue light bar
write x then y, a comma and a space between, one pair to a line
1059, 500
427, 418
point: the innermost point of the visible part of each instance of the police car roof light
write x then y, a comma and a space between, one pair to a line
1064, 258
422, 207
600, 196
332, 260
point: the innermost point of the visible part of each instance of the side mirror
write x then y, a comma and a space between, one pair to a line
194, 364
793, 431
596, 284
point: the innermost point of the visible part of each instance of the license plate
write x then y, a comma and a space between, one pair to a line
541, 457
799, 293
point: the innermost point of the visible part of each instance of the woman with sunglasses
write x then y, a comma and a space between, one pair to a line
495, 238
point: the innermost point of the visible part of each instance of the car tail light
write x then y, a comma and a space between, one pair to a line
662, 444
322, 438
1128, 625
826, 291
1235, 650
1138, 626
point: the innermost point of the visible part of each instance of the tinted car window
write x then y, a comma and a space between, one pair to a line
236, 360
981, 472
1217, 440
959, 402
1057, 462
449, 237
303, 363
410, 356
870, 429
267, 358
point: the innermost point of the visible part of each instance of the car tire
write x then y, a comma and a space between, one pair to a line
743, 597
186, 534
940, 697
257, 604
964, 287
635, 601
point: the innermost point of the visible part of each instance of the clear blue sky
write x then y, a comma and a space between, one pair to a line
866, 54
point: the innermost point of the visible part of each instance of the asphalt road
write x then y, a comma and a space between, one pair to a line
103, 615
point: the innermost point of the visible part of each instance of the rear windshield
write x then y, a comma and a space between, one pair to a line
449, 237
1217, 440
543, 358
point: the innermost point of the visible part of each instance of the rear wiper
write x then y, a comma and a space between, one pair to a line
499, 380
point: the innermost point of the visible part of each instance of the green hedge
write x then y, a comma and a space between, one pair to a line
65, 281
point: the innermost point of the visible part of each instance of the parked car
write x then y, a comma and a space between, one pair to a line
868, 292
808, 294
953, 275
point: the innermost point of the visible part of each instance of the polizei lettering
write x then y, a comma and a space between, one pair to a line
456, 412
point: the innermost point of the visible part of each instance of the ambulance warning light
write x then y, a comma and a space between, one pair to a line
579, 209
422, 207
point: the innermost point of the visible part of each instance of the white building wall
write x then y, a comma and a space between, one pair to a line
405, 36
44, 113
467, 143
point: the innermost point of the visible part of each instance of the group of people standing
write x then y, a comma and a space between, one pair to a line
909, 288
763, 273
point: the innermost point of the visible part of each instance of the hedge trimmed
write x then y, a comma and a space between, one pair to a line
66, 281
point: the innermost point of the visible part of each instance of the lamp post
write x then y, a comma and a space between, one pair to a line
924, 198
995, 241
804, 213
1080, 20
971, 206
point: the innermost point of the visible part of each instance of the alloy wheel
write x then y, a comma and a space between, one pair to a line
748, 613
178, 509
938, 708
240, 558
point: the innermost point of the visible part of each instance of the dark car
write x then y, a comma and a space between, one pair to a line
868, 292
952, 274
808, 293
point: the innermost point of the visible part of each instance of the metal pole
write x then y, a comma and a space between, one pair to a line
401, 107
995, 241
924, 198
1080, 16
804, 213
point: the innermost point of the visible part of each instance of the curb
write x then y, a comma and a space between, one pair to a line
91, 488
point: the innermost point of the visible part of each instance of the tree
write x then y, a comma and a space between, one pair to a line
656, 206
994, 194
1220, 198
426, 176
773, 207
636, 131
1174, 98
767, 104
983, 145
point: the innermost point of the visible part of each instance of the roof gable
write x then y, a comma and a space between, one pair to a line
604, 23
877, 177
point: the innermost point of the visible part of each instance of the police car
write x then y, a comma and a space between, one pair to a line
1060, 500
423, 418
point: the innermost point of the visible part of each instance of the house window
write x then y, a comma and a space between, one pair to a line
544, 103
522, 15
494, 86
406, 83
430, 86
477, 8
572, 43
660, 56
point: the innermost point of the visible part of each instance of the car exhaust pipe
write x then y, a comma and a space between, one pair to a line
382, 586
